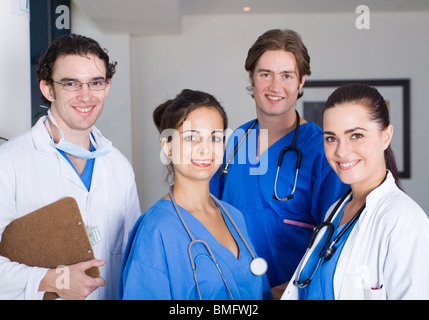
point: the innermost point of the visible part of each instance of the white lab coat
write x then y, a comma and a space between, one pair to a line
387, 253
34, 174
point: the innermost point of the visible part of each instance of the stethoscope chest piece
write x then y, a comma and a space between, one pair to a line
258, 266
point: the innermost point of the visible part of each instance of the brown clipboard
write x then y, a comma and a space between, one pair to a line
52, 236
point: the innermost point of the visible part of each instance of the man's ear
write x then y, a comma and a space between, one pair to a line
47, 90
301, 83
109, 81
251, 78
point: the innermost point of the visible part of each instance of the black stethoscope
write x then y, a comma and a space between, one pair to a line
258, 265
292, 147
328, 248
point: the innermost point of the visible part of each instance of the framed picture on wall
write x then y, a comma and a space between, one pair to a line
396, 92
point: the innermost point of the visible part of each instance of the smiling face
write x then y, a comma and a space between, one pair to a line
197, 147
76, 111
276, 83
354, 145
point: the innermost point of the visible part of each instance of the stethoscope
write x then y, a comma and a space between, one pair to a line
328, 248
258, 265
292, 147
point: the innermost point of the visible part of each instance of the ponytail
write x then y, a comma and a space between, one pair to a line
391, 165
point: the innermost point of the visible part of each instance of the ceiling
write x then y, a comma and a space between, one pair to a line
144, 17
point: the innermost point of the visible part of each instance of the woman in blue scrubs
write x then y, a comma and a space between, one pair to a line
157, 264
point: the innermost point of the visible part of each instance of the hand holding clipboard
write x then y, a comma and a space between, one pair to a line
49, 237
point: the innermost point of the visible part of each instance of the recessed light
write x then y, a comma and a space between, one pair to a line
246, 9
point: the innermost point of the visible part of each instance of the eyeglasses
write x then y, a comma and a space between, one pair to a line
73, 85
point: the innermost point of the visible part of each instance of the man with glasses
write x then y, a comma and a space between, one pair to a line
64, 155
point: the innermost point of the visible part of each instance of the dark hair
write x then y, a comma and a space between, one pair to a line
172, 113
360, 93
276, 39
68, 45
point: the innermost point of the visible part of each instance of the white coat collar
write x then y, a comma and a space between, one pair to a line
378, 193
372, 199
41, 137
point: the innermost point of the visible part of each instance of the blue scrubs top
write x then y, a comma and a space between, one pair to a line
280, 231
86, 176
321, 286
156, 263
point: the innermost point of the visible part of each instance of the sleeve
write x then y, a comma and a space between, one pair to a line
144, 272
134, 210
18, 281
143, 282
406, 271
327, 188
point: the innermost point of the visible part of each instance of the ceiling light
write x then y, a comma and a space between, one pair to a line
246, 9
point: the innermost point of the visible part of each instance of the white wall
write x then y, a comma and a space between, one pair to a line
115, 121
15, 85
209, 55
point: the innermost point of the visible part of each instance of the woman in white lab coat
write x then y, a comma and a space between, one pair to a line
379, 246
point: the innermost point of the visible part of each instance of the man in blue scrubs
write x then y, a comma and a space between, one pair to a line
278, 64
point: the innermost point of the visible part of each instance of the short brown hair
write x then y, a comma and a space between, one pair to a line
276, 39
68, 45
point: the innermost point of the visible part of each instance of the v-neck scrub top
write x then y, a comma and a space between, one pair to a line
156, 263
86, 175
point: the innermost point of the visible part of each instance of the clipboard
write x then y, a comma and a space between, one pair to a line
52, 236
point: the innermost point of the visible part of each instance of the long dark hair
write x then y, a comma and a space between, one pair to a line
379, 113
